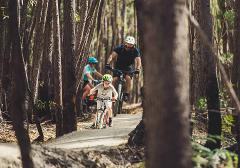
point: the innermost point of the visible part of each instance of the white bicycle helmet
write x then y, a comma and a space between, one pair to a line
130, 40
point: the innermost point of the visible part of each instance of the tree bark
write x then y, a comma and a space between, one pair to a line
166, 106
212, 91
38, 47
222, 7
57, 60
69, 87
236, 69
19, 87
46, 67
198, 70
136, 137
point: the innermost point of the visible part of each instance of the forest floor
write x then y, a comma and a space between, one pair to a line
57, 152
121, 156
7, 134
85, 148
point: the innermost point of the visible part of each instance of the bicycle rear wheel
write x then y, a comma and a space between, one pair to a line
119, 102
118, 107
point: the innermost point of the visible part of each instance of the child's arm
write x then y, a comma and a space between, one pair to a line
93, 90
115, 94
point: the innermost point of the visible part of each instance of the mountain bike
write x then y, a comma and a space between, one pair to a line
120, 87
101, 115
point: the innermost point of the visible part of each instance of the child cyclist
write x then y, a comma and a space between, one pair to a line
106, 90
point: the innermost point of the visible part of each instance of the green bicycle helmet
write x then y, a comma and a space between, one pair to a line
107, 77
92, 60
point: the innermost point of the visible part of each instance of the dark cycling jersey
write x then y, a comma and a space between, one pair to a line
126, 58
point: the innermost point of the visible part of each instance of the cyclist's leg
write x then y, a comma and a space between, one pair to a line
109, 112
86, 91
95, 116
128, 83
126, 94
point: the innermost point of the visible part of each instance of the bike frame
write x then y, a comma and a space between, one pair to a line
121, 81
101, 114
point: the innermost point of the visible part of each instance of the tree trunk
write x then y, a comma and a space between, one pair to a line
46, 68
166, 84
236, 69
6, 74
222, 7
198, 77
38, 46
69, 87
137, 135
19, 87
212, 91
123, 11
57, 73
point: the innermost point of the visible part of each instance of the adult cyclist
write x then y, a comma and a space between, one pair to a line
126, 57
88, 79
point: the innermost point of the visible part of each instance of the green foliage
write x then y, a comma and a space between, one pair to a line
227, 123
224, 99
52, 105
226, 58
202, 104
32, 2
213, 138
77, 17
204, 157
41, 105
229, 16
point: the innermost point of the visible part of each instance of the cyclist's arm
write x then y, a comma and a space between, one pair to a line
89, 76
98, 74
93, 90
138, 63
115, 93
112, 57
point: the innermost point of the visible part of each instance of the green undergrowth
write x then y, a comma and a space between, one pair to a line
218, 158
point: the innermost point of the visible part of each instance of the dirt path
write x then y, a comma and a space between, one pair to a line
116, 135
79, 149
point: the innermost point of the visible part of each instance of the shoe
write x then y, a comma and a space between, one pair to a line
110, 122
125, 97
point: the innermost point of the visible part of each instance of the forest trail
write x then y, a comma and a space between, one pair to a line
112, 136
79, 140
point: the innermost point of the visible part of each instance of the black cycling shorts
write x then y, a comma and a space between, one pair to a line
85, 83
129, 74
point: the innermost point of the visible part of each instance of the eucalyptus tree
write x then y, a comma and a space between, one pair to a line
19, 85
166, 106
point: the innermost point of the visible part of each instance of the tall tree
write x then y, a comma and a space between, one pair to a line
166, 84
69, 87
45, 90
236, 69
236, 58
57, 70
137, 135
38, 46
19, 86
197, 76
212, 91
222, 7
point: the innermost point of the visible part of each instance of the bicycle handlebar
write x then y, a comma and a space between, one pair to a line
102, 99
122, 72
